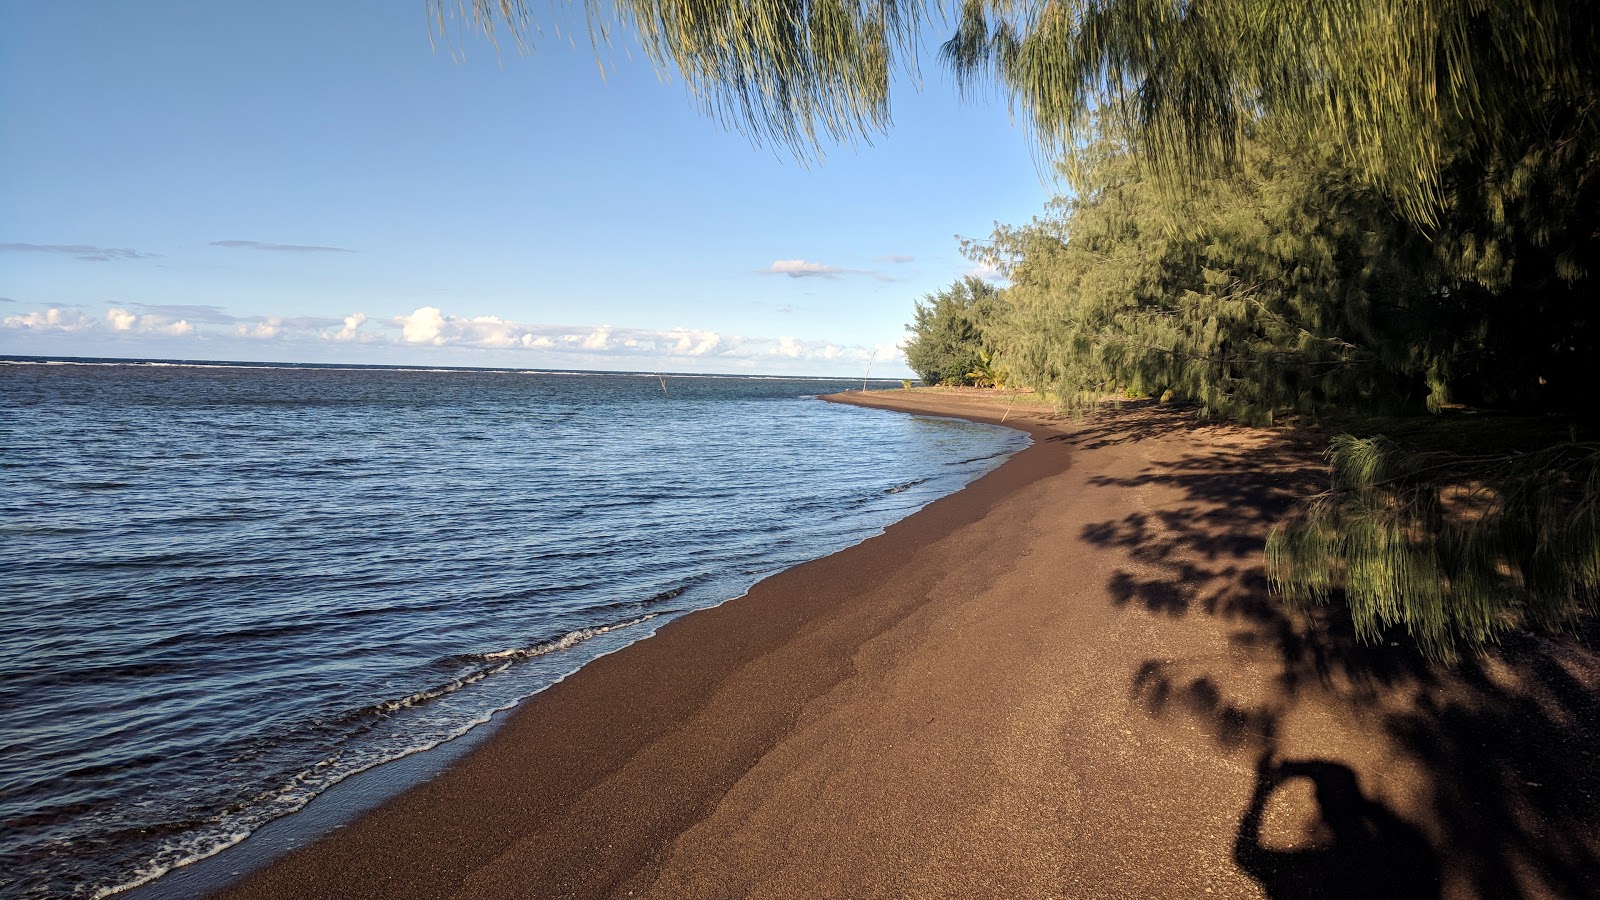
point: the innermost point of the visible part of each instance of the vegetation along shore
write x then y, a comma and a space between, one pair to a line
1359, 214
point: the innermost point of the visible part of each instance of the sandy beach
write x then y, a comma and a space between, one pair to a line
1067, 680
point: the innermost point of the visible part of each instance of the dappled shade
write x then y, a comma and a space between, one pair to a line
1484, 771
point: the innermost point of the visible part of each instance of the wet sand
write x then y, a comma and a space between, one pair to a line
1066, 680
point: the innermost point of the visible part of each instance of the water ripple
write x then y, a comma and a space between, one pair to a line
226, 589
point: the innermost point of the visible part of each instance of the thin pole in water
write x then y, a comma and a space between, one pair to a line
663, 385
870, 360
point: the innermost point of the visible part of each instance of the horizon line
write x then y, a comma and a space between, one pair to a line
226, 363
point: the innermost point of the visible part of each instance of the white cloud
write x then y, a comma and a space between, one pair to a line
599, 346
117, 319
599, 339
799, 268
987, 271
352, 327
150, 323
688, 342
266, 329
52, 319
156, 324
269, 328
431, 325
425, 326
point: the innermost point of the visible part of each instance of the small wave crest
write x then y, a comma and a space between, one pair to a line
566, 641
677, 591
502, 660
159, 867
666, 595
901, 488
239, 821
968, 462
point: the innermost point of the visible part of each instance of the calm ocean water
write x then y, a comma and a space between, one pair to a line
225, 589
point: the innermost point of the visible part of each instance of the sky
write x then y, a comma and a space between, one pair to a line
330, 182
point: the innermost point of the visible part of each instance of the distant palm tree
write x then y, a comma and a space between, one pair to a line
987, 372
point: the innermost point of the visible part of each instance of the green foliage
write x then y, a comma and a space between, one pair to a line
1289, 287
946, 343
1451, 145
797, 72
1421, 97
1374, 207
987, 371
1448, 547
1246, 297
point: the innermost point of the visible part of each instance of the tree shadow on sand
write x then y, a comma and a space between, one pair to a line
1507, 803
1126, 422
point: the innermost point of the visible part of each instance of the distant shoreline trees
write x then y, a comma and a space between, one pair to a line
947, 345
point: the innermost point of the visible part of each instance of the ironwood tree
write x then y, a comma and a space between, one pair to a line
1276, 209
946, 343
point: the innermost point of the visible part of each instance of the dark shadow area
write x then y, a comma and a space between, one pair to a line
1129, 421
1357, 848
1507, 742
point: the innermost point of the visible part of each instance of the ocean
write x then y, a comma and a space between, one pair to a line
226, 588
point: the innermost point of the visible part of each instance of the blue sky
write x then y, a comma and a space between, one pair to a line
319, 182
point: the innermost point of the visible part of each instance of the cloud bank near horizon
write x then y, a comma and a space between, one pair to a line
432, 327
116, 320
429, 325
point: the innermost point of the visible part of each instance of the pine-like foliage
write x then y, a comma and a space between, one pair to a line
795, 72
1408, 90
1246, 297
1290, 287
946, 344
1404, 87
1476, 122
1448, 547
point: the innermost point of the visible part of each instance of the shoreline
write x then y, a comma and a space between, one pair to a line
348, 799
239, 852
1063, 680
377, 782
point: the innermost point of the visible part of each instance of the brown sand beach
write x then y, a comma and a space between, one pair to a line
1066, 680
